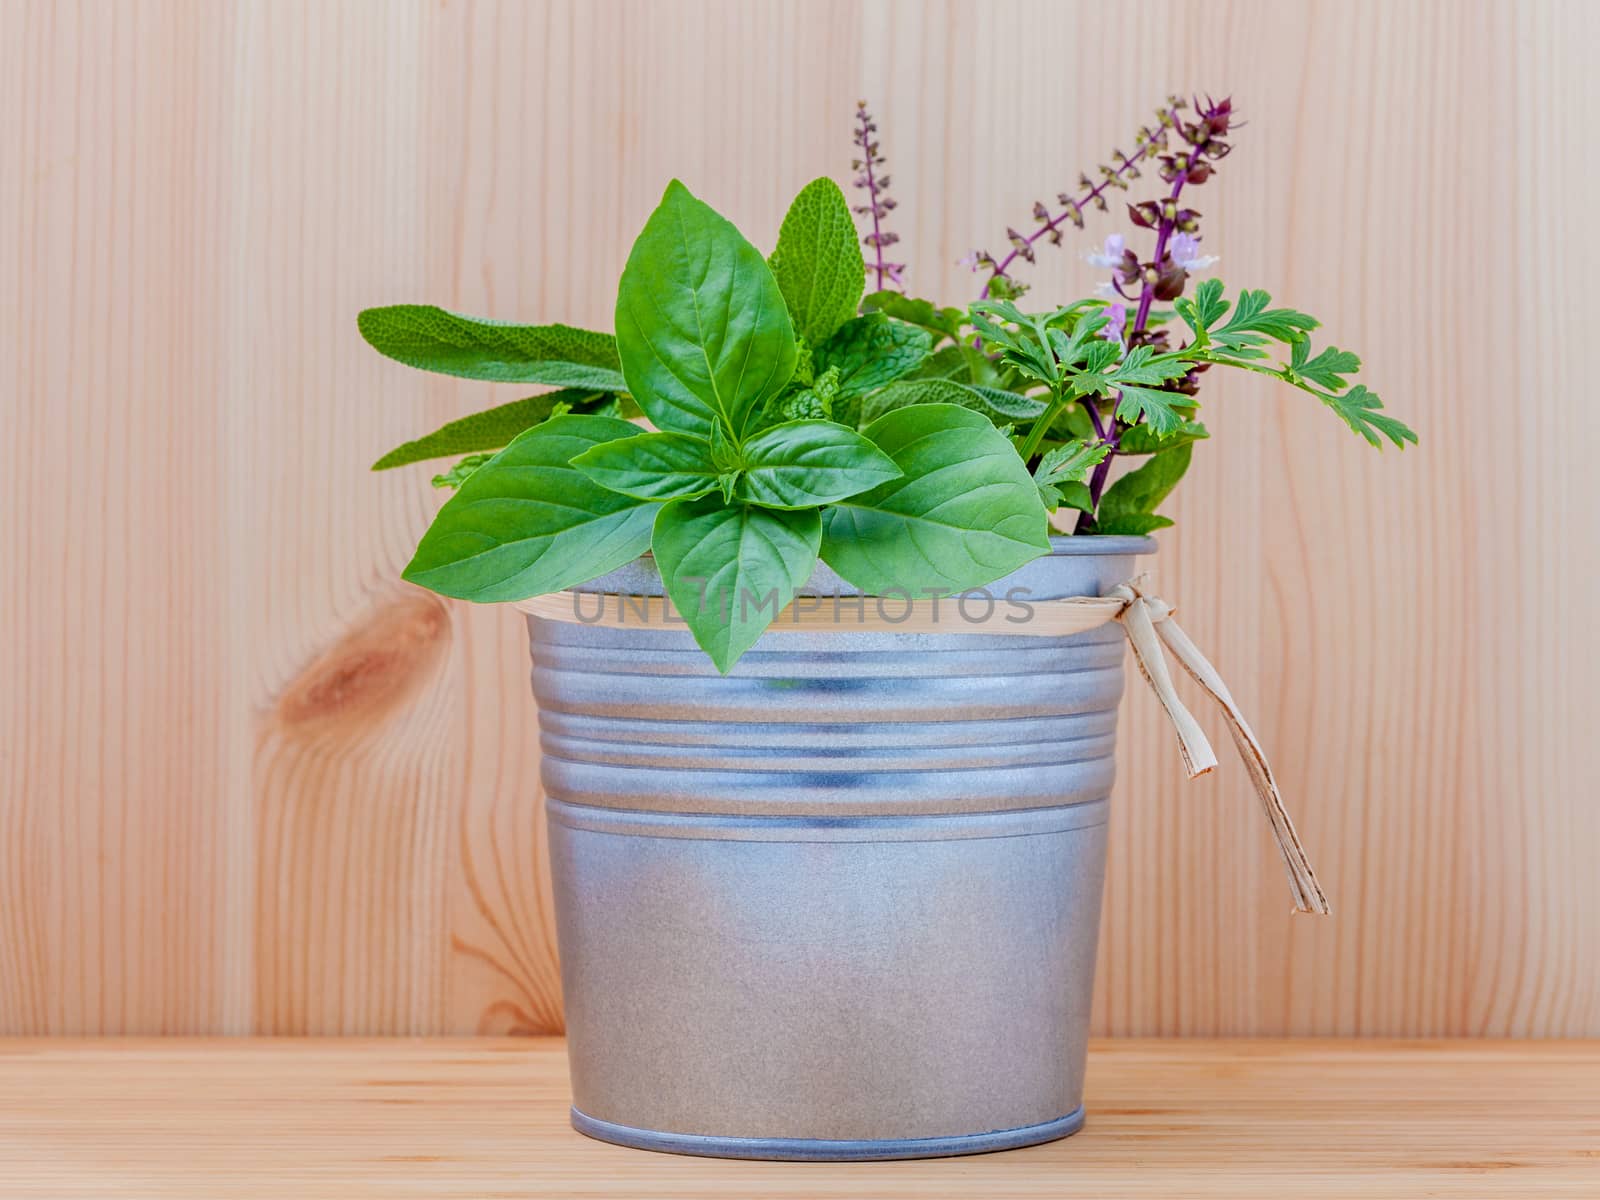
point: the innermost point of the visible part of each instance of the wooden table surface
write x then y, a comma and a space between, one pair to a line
488, 1118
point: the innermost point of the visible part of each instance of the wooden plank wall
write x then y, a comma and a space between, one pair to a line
250, 782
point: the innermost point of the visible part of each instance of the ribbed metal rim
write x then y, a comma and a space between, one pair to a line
1111, 545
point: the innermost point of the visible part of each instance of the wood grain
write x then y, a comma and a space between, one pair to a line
251, 782
443, 1117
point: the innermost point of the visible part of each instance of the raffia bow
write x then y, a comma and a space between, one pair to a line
1145, 619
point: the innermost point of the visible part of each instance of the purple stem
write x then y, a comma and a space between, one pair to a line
872, 197
1088, 198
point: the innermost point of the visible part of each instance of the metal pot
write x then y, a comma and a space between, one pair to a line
842, 903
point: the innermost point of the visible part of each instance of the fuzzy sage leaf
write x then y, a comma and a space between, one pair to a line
435, 339
818, 263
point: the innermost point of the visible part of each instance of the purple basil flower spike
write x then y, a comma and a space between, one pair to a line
1116, 323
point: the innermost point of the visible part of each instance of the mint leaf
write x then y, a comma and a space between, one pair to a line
818, 262
965, 512
434, 339
1129, 504
1361, 410
652, 466
871, 351
940, 322
493, 428
702, 329
807, 463
731, 568
528, 522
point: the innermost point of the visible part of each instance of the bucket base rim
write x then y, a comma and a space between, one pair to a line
826, 1149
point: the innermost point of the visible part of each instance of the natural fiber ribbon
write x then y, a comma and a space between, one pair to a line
1146, 620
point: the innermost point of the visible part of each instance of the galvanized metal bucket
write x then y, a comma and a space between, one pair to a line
842, 903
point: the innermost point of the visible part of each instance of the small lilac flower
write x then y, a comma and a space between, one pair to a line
1185, 251
1116, 323
1112, 257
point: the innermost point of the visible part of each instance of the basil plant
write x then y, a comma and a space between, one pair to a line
778, 436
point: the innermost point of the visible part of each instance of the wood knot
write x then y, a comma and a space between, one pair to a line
372, 671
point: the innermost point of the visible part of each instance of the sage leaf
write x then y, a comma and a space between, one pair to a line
1128, 505
998, 405
941, 322
652, 466
818, 262
434, 339
731, 568
702, 330
803, 464
493, 428
965, 512
872, 351
528, 522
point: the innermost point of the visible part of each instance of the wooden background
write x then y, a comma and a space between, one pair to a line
249, 781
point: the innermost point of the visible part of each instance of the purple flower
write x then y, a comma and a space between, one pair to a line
1112, 255
1185, 251
1116, 323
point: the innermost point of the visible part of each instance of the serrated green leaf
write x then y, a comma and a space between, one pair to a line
1327, 370
461, 472
1064, 468
528, 522
871, 351
493, 428
965, 512
1129, 504
1204, 309
1362, 411
803, 464
652, 466
1252, 323
1163, 410
702, 329
434, 339
941, 322
731, 568
818, 262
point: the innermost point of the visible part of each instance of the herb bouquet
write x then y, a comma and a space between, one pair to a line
725, 850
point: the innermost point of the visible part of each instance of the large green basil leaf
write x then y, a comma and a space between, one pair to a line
1129, 504
434, 339
731, 568
965, 513
872, 351
493, 428
818, 261
999, 406
527, 522
806, 463
652, 466
701, 325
